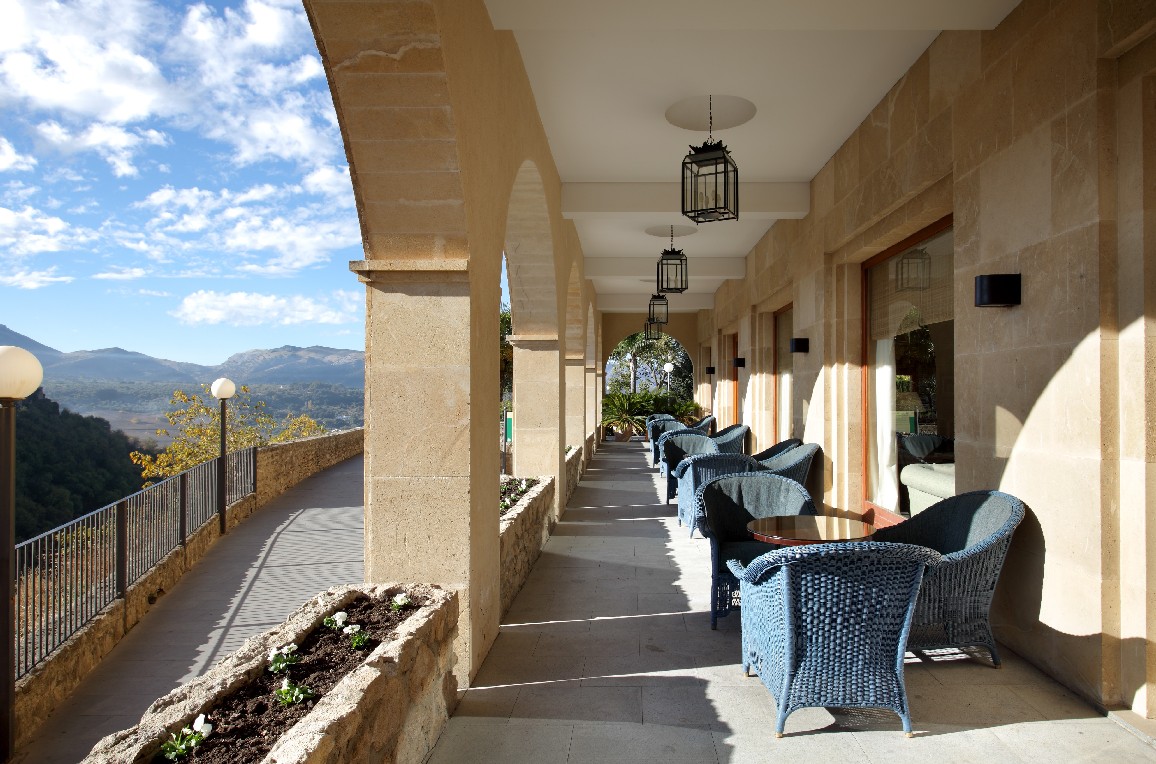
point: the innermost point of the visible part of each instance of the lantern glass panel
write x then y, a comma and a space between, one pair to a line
710, 185
672, 272
659, 312
652, 331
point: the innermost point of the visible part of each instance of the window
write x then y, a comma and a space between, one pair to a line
910, 361
784, 365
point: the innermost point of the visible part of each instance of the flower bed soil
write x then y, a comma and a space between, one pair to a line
511, 491
247, 723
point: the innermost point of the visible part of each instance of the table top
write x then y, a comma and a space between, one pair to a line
796, 530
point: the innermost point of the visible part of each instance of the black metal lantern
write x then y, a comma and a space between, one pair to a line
710, 184
659, 312
672, 272
913, 271
652, 331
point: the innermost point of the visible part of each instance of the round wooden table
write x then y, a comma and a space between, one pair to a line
797, 530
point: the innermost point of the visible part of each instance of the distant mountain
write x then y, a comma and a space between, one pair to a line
289, 364
281, 366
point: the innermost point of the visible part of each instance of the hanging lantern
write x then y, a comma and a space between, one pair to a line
672, 272
652, 331
710, 181
659, 312
913, 271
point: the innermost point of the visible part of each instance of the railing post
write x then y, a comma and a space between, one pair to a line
121, 548
253, 487
183, 507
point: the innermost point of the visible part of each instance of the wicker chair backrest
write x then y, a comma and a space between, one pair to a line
779, 448
655, 417
733, 439
728, 503
673, 446
703, 425
794, 463
959, 523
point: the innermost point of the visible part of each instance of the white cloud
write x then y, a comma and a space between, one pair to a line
25, 279
29, 231
328, 180
112, 142
10, 159
252, 309
121, 274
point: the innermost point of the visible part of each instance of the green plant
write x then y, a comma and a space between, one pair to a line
292, 693
281, 658
357, 637
336, 621
625, 412
400, 600
181, 744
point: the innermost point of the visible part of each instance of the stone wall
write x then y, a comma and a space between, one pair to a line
575, 465
390, 709
279, 467
522, 532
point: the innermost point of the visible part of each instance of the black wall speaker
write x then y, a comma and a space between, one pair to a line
997, 290
800, 344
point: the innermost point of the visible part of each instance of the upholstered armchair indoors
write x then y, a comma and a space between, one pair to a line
725, 506
675, 446
733, 439
972, 531
654, 431
827, 624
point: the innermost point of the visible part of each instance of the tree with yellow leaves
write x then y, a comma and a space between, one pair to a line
196, 422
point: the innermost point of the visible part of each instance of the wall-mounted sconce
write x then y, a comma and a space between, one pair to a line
740, 363
997, 290
800, 344
709, 371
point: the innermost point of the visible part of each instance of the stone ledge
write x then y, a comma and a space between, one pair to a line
522, 532
392, 708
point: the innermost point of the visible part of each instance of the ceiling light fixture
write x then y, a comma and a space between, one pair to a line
710, 179
651, 331
659, 312
672, 272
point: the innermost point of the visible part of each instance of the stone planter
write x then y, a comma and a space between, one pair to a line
522, 531
391, 708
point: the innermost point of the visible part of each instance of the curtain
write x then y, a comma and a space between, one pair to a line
883, 461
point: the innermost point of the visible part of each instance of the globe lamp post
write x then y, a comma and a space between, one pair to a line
668, 367
223, 389
20, 375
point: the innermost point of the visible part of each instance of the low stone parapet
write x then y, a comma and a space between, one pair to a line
391, 709
522, 533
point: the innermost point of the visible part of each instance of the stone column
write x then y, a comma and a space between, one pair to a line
426, 515
591, 406
575, 401
538, 417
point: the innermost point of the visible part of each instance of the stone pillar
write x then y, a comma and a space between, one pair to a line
427, 518
591, 406
538, 417
575, 401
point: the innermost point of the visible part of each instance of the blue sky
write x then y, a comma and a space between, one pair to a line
172, 180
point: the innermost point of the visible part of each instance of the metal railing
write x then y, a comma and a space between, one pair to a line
66, 576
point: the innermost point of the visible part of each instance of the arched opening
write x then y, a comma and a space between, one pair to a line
648, 377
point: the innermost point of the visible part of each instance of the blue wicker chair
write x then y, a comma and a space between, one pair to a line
704, 425
655, 417
696, 470
654, 431
801, 465
733, 439
972, 531
778, 448
826, 624
725, 506
675, 446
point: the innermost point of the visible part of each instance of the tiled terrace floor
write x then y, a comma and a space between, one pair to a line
607, 656
305, 541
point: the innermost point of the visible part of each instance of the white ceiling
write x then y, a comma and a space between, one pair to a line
604, 73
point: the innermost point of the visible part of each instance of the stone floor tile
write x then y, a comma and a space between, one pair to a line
943, 744
573, 704
639, 670
573, 646
760, 746
487, 704
497, 742
1075, 742
969, 706
518, 670
634, 743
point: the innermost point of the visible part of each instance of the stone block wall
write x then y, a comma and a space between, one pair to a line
574, 468
522, 532
392, 708
279, 467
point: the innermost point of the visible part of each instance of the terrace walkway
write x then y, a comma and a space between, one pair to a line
607, 656
303, 542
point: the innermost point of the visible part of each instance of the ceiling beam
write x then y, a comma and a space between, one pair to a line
633, 303
645, 201
642, 268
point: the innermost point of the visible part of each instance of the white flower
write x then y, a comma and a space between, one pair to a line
353, 628
285, 684
340, 618
201, 726
273, 654
523, 485
400, 599
288, 649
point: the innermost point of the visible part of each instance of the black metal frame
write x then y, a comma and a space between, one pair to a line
659, 310
710, 184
